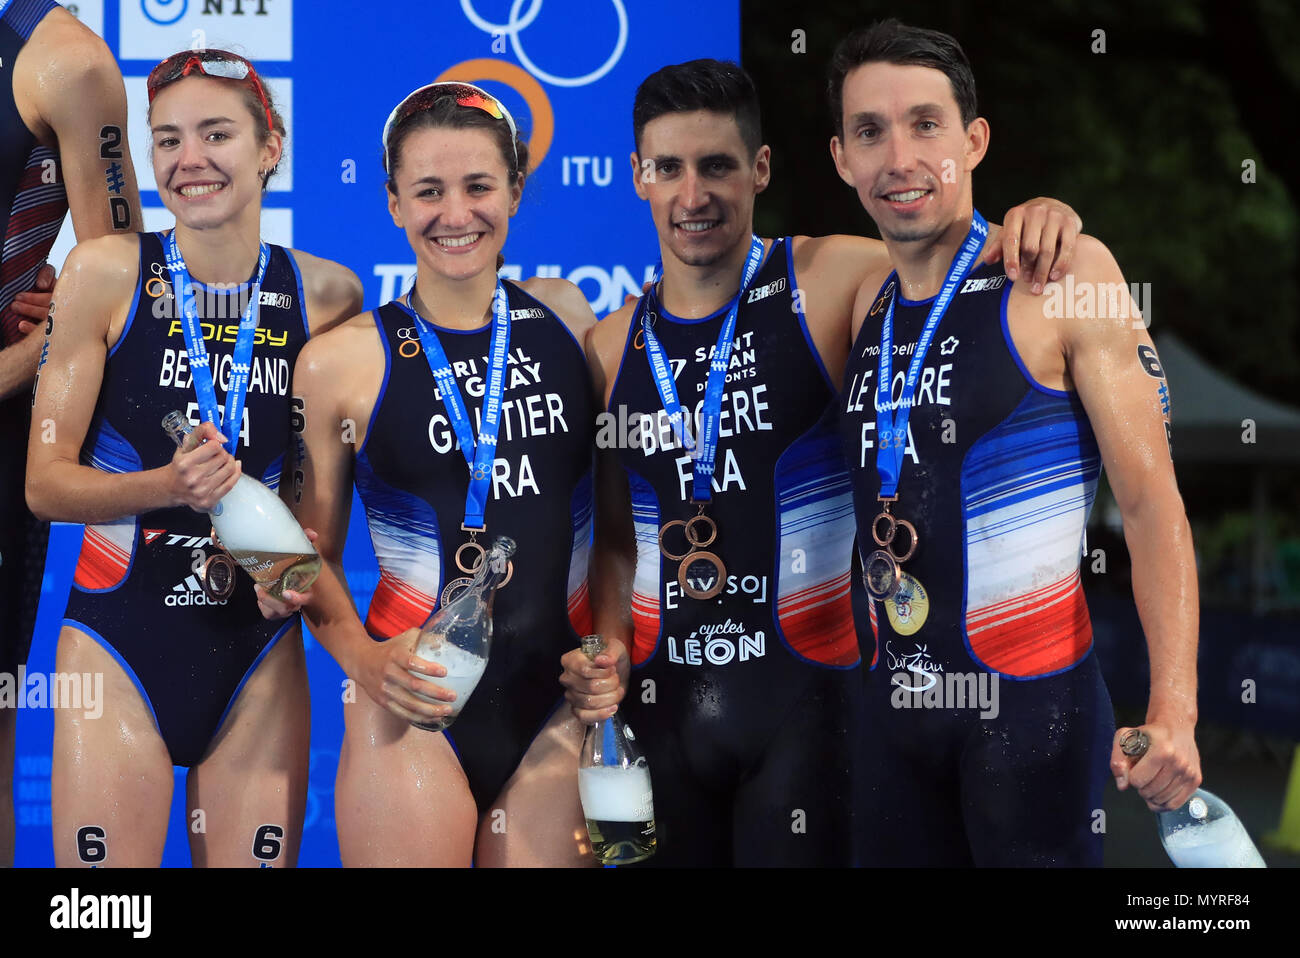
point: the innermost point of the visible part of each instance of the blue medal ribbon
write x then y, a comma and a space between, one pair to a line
711, 414
479, 454
892, 417
200, 367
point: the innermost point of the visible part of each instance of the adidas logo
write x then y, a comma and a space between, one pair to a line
190, 592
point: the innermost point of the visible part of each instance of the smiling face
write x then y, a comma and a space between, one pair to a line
905, 150
454, 199
700, 180
206, 151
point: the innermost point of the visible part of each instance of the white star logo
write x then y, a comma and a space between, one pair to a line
949, 345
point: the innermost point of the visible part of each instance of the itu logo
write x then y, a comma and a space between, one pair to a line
520, 19
164, 12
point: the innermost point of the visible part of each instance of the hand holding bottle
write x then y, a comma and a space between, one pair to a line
386, 673
1170, 771
202, 471
288, 602
261, 535
614, 785
1202, 832
459, 634
595, 687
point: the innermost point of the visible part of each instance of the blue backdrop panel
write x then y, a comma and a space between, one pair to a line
567, 69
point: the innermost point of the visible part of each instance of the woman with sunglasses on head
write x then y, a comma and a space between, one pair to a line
144, 324
499, 787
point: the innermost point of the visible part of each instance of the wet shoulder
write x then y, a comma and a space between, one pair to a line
332, 291
566, 301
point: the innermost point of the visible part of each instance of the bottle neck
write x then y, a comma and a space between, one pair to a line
491, 580
178, 427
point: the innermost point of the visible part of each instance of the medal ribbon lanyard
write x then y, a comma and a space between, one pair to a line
241, 361
892, 417
479, 455
702, 480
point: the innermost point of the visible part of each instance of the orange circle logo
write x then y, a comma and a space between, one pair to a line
155, 287
523, 83
415, 348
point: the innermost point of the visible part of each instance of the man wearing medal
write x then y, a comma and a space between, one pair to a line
973, 472
724, 518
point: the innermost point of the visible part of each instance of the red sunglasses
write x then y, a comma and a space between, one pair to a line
213, 63
465, 94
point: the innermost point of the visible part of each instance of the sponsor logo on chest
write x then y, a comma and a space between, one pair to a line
983, 285
763, 292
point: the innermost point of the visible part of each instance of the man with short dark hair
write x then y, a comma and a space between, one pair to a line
973, 473
725, 517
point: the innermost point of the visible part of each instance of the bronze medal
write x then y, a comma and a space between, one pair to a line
475, 550
664, 531
218, 577
884, 529
454, 588
886, 537
478, 554
881, 572
697, 539
880, 575
701, 575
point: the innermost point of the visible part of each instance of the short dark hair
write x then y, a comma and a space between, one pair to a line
715, 85
890, 41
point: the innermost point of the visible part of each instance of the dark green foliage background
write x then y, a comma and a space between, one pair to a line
1146, 141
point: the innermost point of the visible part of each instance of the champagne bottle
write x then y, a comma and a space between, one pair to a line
614, 787
458, 635
257, 528
1204, 832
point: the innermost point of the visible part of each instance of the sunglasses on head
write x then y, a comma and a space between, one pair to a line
213, 63
465, 94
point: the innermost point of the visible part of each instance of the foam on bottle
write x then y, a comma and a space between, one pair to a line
251, 522
1217, 844
616, 794
464, 669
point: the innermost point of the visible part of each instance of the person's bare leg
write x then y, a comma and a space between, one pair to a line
111, 775
537, 819
248, 795
401, 798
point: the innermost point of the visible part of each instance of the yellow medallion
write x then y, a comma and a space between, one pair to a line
909, 606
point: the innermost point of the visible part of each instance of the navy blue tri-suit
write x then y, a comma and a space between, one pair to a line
410, 474
32, 209
743, 703
135, 591
998, 478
